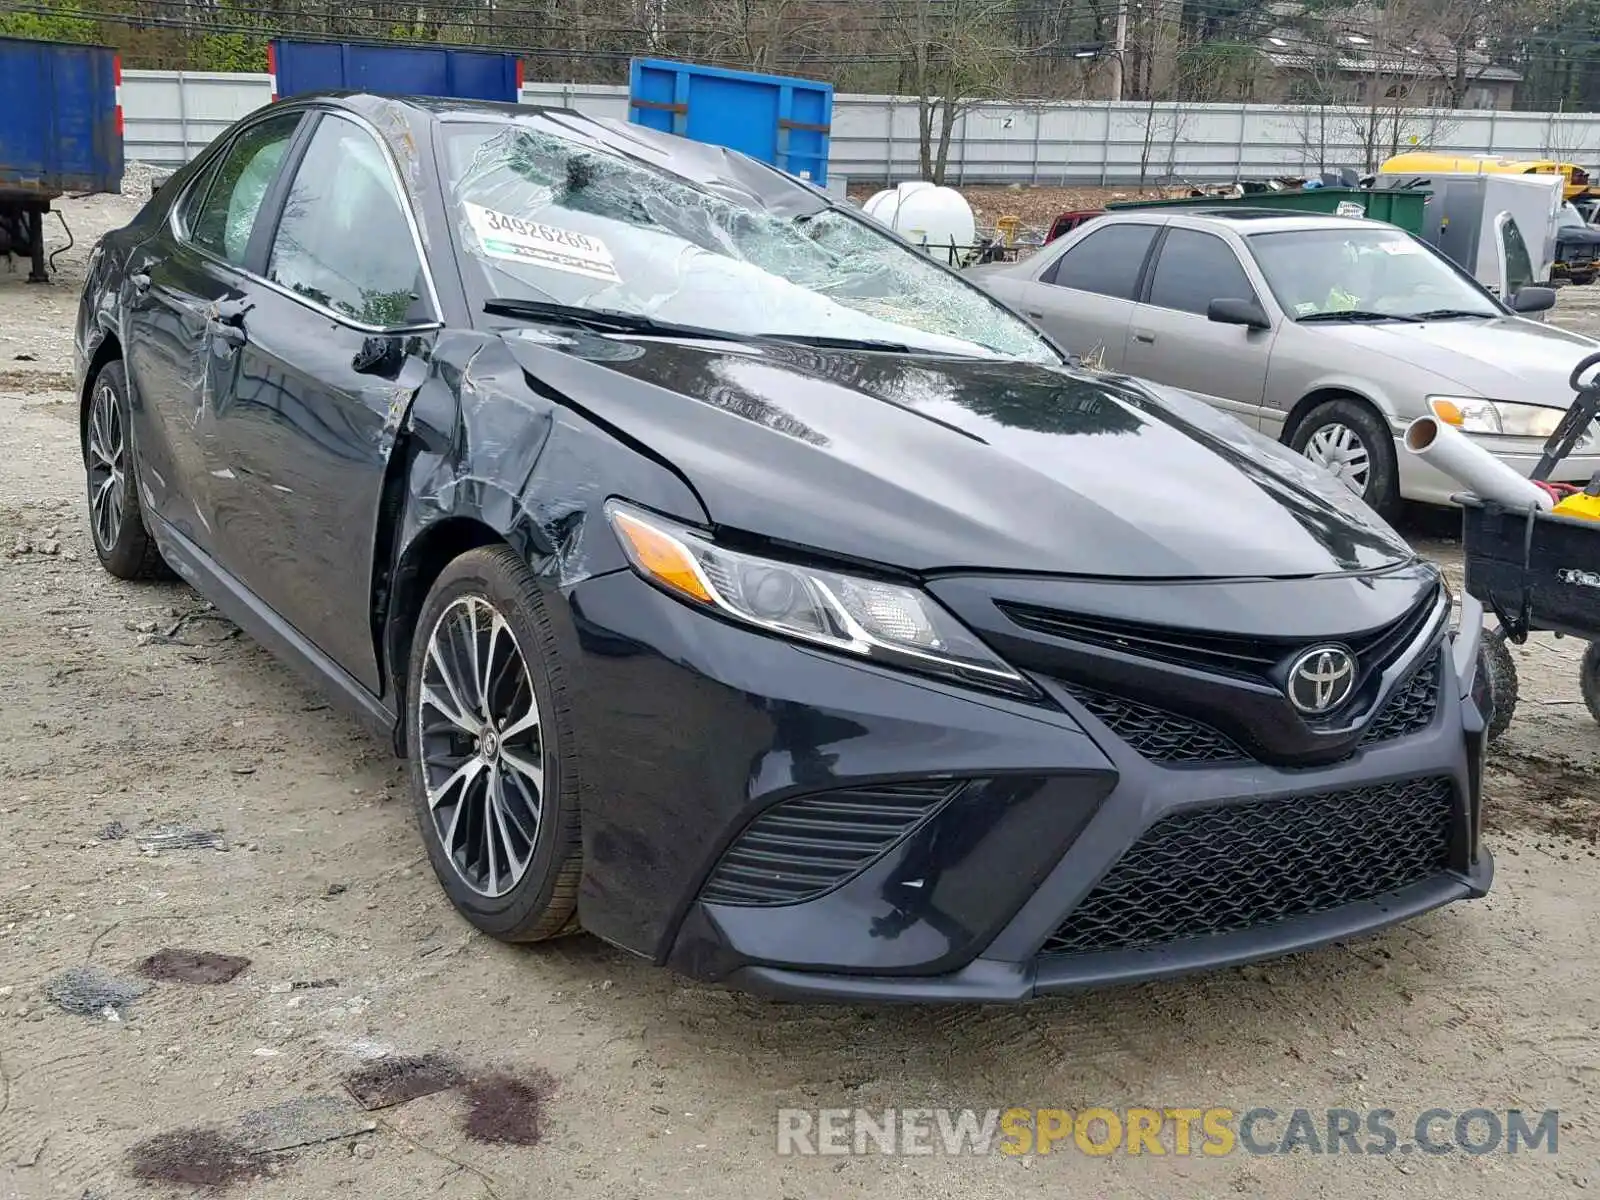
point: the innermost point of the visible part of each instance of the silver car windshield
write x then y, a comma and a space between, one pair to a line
1381, 269
546, 217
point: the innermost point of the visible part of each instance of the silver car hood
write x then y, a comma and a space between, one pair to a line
1501, 358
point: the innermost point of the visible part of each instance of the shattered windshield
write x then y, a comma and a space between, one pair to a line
544, 216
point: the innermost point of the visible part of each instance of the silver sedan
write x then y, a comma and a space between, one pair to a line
1329, 333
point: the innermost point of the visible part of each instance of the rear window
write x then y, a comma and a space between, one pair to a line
1107, 261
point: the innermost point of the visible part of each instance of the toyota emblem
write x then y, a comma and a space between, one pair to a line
1321, 679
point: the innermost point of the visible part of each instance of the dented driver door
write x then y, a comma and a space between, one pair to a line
335, 343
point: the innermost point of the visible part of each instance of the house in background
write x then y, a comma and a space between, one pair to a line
1390, 57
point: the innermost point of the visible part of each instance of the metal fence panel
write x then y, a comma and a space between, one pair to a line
171, 115
168, 117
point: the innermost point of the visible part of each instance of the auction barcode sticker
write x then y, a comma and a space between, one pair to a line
504, 236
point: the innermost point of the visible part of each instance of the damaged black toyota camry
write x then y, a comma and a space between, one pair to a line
748, 590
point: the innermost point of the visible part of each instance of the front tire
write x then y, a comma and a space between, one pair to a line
1496, 687
1589, 679
492, 751
116, 522
1348, 438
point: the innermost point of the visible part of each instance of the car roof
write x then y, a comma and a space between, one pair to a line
375, 106
1243, 219
701, 162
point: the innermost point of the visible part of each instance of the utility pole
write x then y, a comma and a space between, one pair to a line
1120, 50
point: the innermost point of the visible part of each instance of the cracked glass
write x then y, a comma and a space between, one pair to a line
544, 215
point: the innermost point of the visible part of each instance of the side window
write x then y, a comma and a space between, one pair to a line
1193, 269
344, 241
189, 206
1107, 261
222, 222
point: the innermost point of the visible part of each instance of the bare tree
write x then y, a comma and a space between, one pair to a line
1369, 76
953, 55
1566, 137
761, 35
1453, 36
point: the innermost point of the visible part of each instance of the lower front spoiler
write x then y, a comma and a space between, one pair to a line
989, 981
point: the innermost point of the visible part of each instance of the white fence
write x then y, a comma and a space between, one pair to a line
170, 116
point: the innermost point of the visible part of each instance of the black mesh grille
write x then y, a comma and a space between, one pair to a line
801, 848
1216, 653
1217, 870
1159, 735
1410, 709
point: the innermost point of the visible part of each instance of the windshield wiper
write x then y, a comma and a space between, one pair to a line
610, 320
1444, 314
1355, 314
601, 320
825, 341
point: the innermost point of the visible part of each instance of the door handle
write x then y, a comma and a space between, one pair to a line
1037, 316
226, 332
1145, 336
225, 321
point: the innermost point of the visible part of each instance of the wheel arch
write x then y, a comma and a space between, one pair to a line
1321, 395
108, 350
418, 563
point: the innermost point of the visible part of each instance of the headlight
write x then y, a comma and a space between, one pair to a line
885, 622
1471, 414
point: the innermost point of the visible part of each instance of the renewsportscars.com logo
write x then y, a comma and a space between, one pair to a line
1180, 1132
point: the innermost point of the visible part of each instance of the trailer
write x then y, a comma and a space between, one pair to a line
1540, 570
775, 118
299, 66
60, 132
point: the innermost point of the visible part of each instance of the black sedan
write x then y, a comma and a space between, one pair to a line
749, 590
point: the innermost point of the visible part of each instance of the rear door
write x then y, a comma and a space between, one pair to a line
184, 286
1085, 298
1172, 341
342, 316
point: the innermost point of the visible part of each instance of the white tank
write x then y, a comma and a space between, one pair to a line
925, 215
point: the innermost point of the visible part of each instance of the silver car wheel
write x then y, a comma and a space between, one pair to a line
481, 747
105, 468
1339, 450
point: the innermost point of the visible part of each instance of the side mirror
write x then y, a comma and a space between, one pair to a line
1532, 299
379, 356
1248, 313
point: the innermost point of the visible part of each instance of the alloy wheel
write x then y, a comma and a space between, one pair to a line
1339, 450
481, 747
105, 467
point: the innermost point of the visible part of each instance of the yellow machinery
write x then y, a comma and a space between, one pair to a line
1423, 163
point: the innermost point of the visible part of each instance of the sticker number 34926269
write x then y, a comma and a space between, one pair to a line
516, 239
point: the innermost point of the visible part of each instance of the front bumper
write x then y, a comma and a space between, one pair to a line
1421, 481
689, 729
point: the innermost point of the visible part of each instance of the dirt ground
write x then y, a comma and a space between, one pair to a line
128, 712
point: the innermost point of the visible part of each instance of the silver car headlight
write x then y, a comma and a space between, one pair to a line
1473, 414
869, 618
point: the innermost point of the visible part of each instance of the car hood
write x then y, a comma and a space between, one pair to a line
1501, 358
928, 463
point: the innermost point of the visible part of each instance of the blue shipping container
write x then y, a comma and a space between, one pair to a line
299, 67
60, 125
782, 121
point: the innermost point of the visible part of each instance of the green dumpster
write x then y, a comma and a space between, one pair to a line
1398, 207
